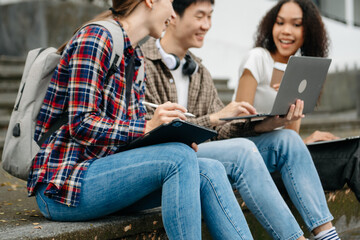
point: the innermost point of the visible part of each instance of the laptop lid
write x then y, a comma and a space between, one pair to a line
303, 79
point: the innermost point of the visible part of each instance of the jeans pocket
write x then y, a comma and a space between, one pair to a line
43, 206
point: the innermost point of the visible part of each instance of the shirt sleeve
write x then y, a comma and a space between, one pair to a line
254, 63
209, 101
90, 122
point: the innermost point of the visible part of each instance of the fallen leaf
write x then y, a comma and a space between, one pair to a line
127, 228
38, 227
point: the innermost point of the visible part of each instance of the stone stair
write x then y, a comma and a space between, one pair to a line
11, 69
224, 92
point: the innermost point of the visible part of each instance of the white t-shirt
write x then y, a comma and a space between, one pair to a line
181, 81
182, 84
260, 63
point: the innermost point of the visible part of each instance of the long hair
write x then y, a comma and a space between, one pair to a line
316, 41
121, 9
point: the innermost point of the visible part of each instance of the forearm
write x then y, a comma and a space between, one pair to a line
96, 130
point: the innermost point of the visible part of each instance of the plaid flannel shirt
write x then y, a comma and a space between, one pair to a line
97, 124
203, 98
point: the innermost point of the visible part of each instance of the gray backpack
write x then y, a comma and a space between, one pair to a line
20, 147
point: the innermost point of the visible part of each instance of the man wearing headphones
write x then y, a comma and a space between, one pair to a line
174, 74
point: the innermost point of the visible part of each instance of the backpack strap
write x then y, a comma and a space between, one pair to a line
118, 41
118, 47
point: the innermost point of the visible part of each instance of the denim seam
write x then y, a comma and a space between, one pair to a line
45, 204
177, 195
260, 212
296, 235
272, 148
222, 207
297, 194
320, 222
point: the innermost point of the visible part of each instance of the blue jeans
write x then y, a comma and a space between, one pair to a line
115, 182
248, 165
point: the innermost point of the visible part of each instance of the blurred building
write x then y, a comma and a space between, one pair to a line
35, 23
235, 23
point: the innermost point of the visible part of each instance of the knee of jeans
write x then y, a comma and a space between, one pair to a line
288, 136
212, 169
246, 152
292, 146
181, 155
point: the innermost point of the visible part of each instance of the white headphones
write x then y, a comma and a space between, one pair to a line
173, 62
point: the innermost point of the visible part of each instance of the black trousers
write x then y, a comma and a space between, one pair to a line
337, 163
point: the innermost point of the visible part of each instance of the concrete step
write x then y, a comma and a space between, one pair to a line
9, 85
11, 72
2, 139
11, 67
342, 124
4, 120
7, 100
226, 96
221, 83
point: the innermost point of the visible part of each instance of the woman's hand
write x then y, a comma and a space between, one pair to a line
276, 86
295, 113
165, 113
233, 109
320, 136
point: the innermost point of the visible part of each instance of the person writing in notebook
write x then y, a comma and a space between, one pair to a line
289, 28
175, 74
81, 172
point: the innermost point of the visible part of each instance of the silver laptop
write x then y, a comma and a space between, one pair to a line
303, 79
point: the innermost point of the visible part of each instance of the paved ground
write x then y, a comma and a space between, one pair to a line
21, 219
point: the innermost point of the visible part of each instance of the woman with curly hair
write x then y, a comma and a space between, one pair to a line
291, 27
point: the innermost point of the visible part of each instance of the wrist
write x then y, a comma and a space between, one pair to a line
261, 127
214, 120
148, 126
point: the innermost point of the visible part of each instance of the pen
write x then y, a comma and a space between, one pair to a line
155, 106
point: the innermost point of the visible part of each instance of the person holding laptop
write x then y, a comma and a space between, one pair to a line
289, 28
175, 74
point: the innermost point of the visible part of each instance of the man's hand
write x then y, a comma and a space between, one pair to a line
295, 113
195, 147
320, 136
233, 109
165, 113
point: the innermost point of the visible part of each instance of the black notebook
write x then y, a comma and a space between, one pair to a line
175, 131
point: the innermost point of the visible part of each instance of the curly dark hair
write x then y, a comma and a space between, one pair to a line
316, 41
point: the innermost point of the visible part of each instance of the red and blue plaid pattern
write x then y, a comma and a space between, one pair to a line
98, 124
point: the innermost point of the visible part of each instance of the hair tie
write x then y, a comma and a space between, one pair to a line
114, 11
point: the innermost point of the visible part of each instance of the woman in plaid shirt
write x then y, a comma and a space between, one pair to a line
80, 172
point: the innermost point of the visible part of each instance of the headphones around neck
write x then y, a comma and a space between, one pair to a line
173, 62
